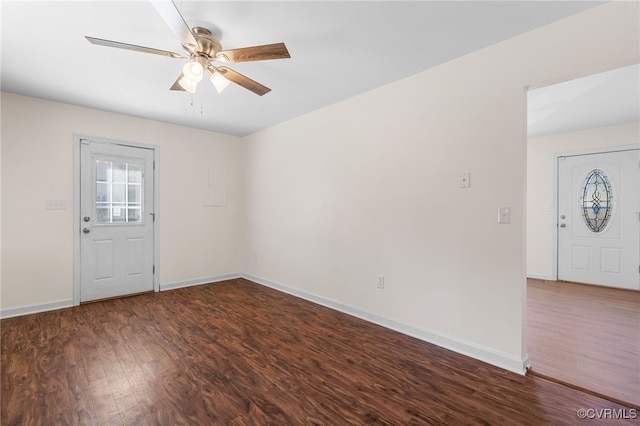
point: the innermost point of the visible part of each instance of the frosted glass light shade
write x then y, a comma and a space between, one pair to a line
219, 82
188, 85
193, 71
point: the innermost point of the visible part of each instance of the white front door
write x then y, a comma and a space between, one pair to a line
598, 219
116, 220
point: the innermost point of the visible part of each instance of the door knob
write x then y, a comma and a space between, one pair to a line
563, 225
86, 230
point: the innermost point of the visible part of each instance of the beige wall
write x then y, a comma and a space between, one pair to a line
369, 187
328, 201
540, 185
196, 241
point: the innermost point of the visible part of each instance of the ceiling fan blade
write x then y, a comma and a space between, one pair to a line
176, 85
171, 15
243, 81
127, 46
255, 53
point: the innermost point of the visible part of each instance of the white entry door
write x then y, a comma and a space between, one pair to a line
116, 220
598, 219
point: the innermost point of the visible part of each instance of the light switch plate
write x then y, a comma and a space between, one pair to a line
504, 215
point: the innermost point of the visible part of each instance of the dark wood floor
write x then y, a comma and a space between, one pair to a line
237, 353
586, 335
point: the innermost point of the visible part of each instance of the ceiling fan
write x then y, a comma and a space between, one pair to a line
202, 50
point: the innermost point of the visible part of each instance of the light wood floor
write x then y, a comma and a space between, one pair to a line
237, 353
587, 336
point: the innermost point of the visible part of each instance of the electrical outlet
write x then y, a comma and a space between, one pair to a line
380, 281
464, 180
55, 204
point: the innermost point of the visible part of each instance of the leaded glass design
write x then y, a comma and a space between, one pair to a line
118, 192
596, 200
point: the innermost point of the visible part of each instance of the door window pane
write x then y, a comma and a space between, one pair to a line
102, 192
118, 214
102, 171
133, 215
119, 171
118, 192
102, 215
596, 200
135, 173
134, 194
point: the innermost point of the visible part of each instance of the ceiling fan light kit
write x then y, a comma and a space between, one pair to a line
193, 71
219, 82
202, 51
187, 85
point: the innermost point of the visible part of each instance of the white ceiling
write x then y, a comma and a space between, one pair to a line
604, 99
338, 50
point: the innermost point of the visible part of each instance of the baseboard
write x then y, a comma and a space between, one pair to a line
61, 304
470, 349
198, 281
35, 309
541, 277
526, 361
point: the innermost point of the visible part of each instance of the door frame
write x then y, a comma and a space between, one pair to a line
77, 266
556, 182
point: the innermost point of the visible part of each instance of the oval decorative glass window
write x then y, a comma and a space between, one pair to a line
596, 200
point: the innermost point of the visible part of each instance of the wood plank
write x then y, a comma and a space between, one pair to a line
238, 353
587, 336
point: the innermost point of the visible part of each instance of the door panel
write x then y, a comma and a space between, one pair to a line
135, 257
116, 198
581, 258
611, 260
103, 259
599, 227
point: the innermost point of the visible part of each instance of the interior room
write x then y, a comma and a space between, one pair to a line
579, 333
367, 183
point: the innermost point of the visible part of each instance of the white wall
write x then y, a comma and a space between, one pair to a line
37, 164
369, 187
540, 185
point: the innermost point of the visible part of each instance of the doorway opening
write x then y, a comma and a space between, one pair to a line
571, 325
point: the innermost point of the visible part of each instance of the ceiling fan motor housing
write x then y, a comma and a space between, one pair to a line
207, 45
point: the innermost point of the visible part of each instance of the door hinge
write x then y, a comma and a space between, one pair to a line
153, 269
154, 164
